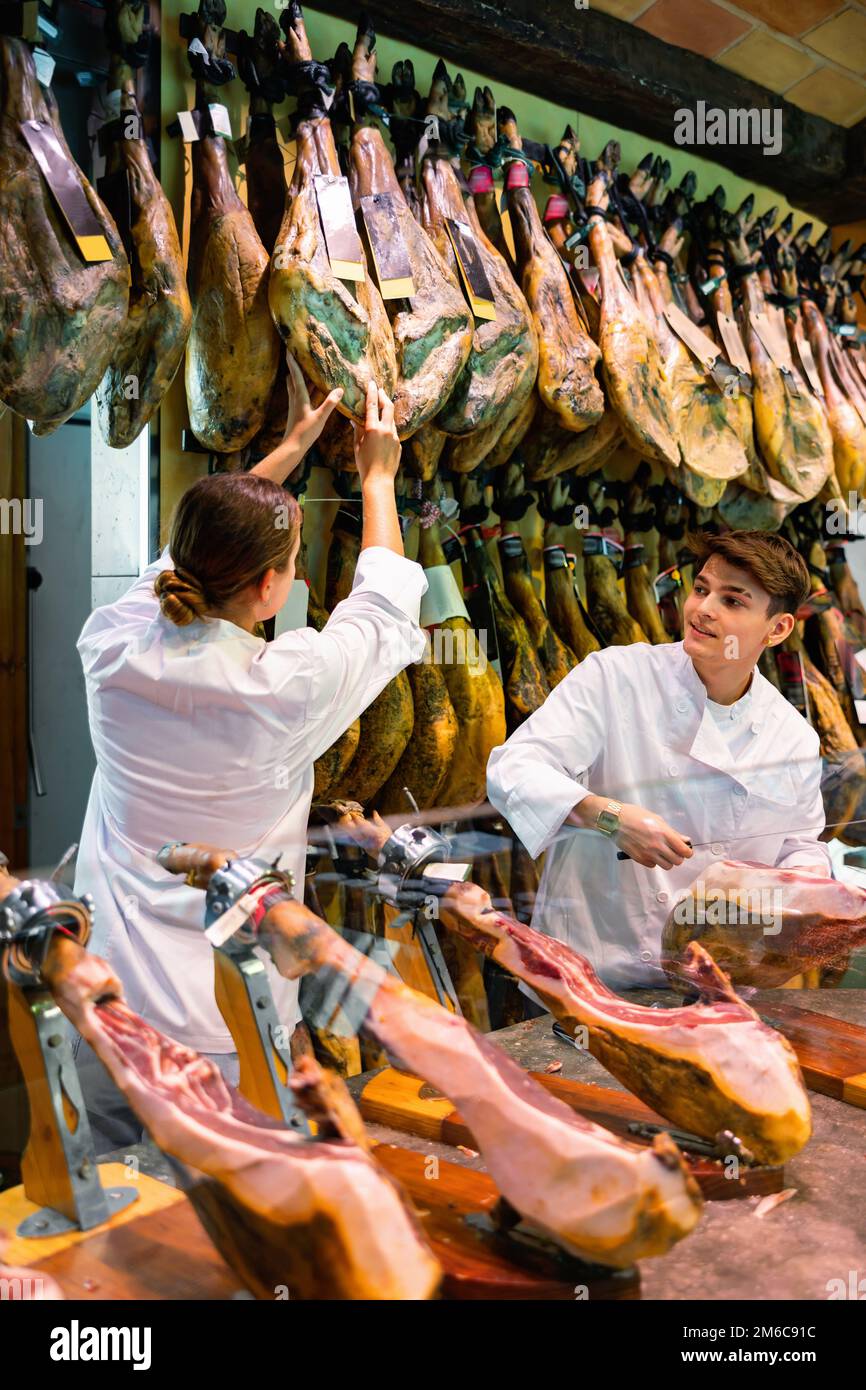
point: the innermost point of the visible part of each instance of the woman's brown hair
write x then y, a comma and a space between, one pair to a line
769, 559
228, 529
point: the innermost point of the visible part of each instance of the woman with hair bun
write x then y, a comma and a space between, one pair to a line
203, 731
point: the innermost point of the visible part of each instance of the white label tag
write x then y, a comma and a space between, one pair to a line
775, 343
187, 126
293, 614
443, 598
220, 118
44, 65
860, 710
431, 134
860, 658
734, 345
807, 362
697, 342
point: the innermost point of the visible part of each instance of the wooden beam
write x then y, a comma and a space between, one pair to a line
616, 72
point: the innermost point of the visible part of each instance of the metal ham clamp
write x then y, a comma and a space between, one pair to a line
235, 889
58, 1166
412, 869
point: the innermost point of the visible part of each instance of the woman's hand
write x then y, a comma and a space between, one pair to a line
304, 424
377, 448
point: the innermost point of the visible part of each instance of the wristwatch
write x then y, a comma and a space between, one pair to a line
607, 820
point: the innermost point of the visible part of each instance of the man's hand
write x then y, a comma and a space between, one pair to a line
649, 840
377, 448
643, 836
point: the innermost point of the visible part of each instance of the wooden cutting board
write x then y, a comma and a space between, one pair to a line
831, 1052
405, 1103
157, 1249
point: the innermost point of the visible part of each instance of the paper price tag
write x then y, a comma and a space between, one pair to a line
734, 345
473, 274
338, 221
220, 119
807, 362
443, 598
186, 121
44, 65
391, 263
775, 344
63, 179
697, 342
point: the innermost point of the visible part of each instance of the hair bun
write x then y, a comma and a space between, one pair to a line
181, 596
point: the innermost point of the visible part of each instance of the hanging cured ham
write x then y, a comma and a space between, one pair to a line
710, 1067
791, 429
61, 316
386, 724
567, 356
555, 657
473, 686
846, 427
431, 750
339, 338
634, 376
159, 316
233, 349
711, 445
503, 363
433, 329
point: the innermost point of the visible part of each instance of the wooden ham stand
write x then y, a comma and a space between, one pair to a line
459, 1210
102, 1230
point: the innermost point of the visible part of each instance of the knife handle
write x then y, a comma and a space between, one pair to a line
621, 854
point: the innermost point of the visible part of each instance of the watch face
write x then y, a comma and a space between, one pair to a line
608, 822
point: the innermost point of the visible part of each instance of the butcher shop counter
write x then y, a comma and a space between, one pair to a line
791, 1252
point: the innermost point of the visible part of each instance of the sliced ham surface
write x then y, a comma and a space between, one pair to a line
762, 925
710, 1067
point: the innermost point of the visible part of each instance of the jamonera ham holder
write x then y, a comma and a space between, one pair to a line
600, 1198
320, 1218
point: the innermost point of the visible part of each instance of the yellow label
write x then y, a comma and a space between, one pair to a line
94, 248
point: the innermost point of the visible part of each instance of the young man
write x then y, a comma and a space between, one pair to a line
642, 749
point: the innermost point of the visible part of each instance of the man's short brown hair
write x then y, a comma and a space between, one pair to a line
770, 560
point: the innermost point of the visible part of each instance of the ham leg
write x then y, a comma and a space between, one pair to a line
599, 1197
158, 322
734, 910
339, 338
61, 317
320, 1218
711, 1067
432, 330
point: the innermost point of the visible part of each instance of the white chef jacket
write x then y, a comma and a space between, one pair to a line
631, 723
207, 733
